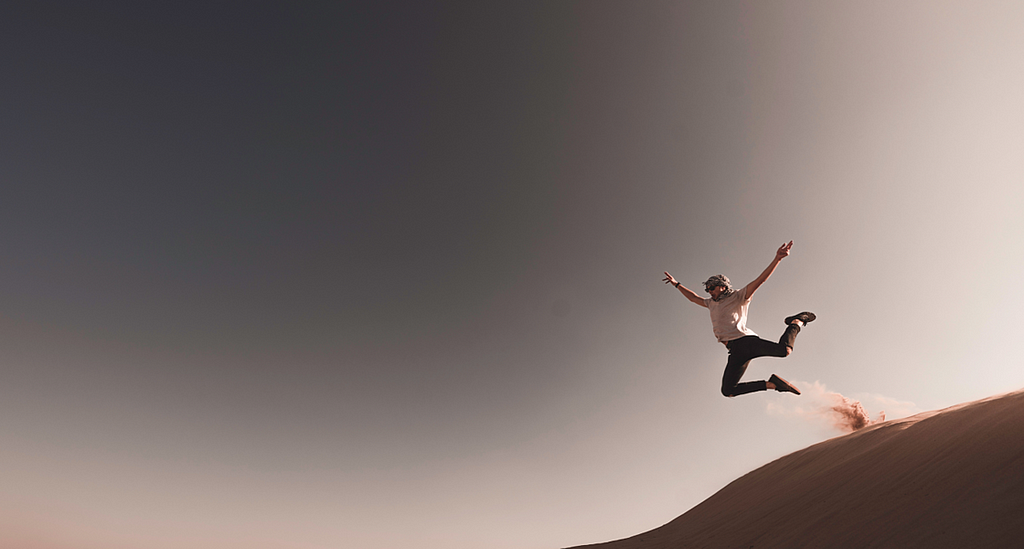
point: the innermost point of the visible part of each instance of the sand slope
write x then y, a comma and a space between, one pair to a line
952, 478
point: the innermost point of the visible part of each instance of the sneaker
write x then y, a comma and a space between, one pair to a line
804, 317
783, 386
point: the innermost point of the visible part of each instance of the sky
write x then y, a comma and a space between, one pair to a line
377, 275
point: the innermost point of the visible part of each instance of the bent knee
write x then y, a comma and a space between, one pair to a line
788, 350
727, 392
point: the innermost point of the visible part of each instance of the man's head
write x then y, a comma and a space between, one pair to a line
718, 286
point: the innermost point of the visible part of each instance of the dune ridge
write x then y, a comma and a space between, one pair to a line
947, 478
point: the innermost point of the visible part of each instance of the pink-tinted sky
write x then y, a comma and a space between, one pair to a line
387, 275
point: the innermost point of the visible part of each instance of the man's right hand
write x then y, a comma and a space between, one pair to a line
688, 293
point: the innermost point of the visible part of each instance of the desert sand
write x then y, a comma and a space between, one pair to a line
947, 478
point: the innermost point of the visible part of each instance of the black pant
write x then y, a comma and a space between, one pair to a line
747, 348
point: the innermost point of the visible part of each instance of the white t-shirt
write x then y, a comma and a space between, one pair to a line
729, 316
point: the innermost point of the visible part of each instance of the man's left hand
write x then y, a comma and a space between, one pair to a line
784, 250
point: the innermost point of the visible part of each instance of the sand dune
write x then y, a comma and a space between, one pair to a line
951, 478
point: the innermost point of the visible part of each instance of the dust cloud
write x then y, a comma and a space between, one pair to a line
821, 406
848, 415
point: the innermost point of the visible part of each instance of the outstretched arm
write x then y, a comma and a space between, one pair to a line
782, 252
688, 293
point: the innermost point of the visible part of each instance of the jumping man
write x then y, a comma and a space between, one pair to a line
729, 320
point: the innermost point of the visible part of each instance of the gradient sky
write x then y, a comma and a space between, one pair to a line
381, 275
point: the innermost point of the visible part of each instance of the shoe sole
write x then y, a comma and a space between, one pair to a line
804, 317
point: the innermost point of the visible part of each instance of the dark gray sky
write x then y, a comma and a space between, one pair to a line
388, 274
